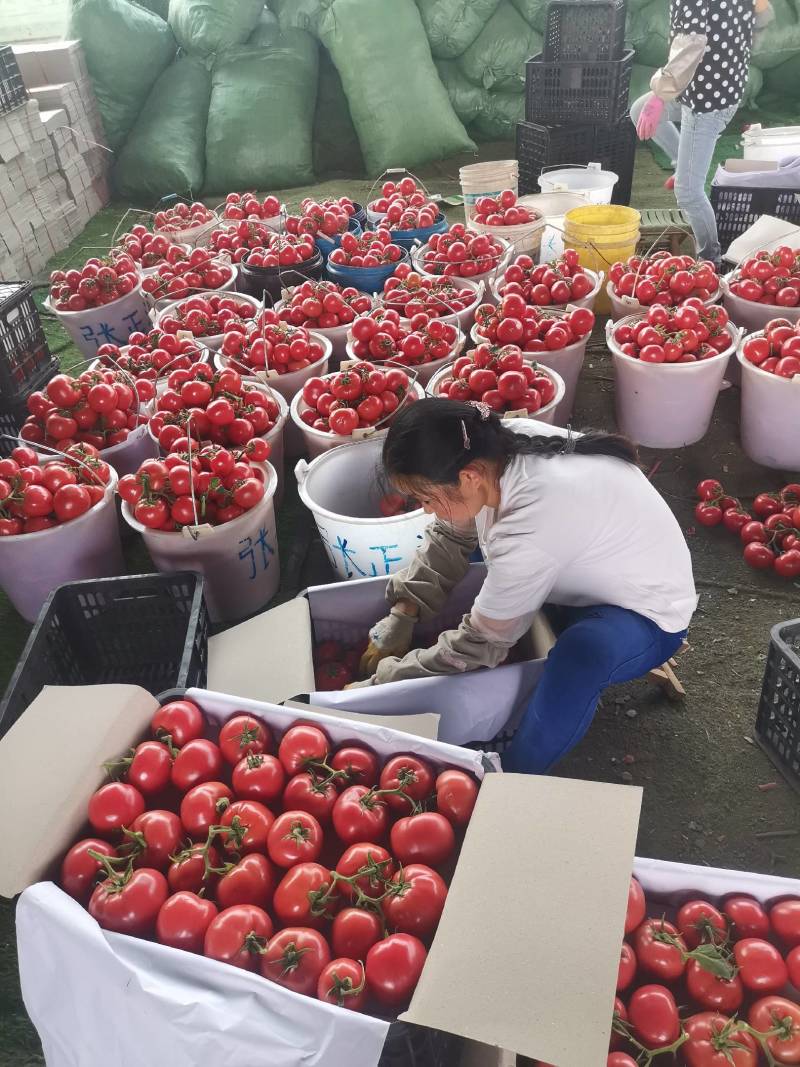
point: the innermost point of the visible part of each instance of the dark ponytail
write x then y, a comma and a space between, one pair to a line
433, 439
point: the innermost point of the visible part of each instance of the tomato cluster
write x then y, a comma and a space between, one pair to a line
513, 321
502, 210
501, 377
410, 293
207, 486
212, 406
382, 334
148, 355
777, 350
356, 398
406, 205
336, 664
770, 531
558, 282
203, 269
248, 206
368, 249
770, 278
36, 495
729, 964
322, 867
328, 218
209, 315
664, 279
282, 250
239, 240
98, 408
323, 305
98, 282
683, 334
182, 217
461, 253
272, 345
149, 249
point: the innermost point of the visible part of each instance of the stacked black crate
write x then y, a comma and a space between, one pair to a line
25, 360
576, 96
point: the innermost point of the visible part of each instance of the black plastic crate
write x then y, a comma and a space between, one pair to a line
14, 408
146, 629
778, 719
12, 87
408, 1045
24, 355
584, 29
577, 91
736, 209
552, 146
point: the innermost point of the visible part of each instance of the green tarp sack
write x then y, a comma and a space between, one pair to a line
165, 152
467, 99
208, 26
780, 41
499, 116
452, 25
158, 7
648, 33
533, 11
261, 114
126, 48
400, 108
336, 147
496, 59
297, 14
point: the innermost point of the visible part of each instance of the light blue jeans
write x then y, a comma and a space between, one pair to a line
691, 149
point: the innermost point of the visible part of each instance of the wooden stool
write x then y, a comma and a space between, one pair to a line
665, 228
666, 677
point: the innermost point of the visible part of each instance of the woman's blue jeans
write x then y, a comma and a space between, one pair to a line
597, 647
691, 149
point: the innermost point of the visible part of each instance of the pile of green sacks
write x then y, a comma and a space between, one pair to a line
202, 97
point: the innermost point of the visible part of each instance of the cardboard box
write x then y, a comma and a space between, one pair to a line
50, 62
572, 850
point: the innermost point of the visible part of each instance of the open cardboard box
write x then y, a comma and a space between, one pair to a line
503, 969
768, 233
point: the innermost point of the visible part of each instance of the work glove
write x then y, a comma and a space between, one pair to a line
391, 636
649, 118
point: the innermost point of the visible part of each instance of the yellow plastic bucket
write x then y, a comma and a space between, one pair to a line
601, 234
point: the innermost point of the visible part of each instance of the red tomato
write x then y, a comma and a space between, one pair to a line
150, 767
80, 871
248, 825
712, 993
784, 918
761, 966
660, 949
250, 881
620, 1059
202, 806
238, 935
130, 903
258, 777
354, 932
634, 917
393, 968
197, 762
374, 865
627, 967
700, 922
305, 793
784, 1015
114, 806
793, 966
456, 796
155, 837
294, 837
411, 776
653, 1015
360, 764
183, 920
302, 744
295, 958
241, 735
359, 815
424, 838
303, 898
415, 900
181, 719
717, 1041
343, 982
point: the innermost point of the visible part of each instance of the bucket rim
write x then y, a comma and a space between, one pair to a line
223, 361
135, 292
560, 384
640, 309
765, 374
598, 275
476, 337
325, 436
109, 493
734, 332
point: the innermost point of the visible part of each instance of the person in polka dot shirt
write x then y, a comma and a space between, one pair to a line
696, 94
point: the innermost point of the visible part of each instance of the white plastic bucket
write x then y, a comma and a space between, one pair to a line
128, 456
527, 237
465, 318
752, 316
772, 143
622, 307
666, 405
33, 565
770, 417
584, 302
337, 335
423, 372
546, 414
553, 207
342, 490
593, 183
488, 277
110, 324
194, 236
315, 442
487, 179
229, 286
239, 560
213, 342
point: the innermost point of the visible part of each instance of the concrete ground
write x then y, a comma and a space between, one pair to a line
710, 794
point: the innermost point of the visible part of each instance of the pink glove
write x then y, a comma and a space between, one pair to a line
650, 118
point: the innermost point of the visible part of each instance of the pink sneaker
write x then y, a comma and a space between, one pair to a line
670, 182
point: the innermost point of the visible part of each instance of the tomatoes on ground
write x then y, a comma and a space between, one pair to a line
712, 993
238, 935
250, 881
343, 981
114, 806
660, 949
634, 916
354, 932
415, 900
700, 922
303, 896
627, 967
653, 1015
294, 837
714, 1040
183, 921
259, 777
241, 735
202, 807
181, 720
154, 837
411, 776
424, 838
456, 796
359, 764
295, 958
305, 793
130, 903
372, 863
80, 871
761, 966
393, 968
778, 1013
302, 744
197, 762
248, 824
784, 918
359, 815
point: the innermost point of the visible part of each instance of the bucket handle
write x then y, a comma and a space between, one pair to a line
301, 471
594, 167
392, 172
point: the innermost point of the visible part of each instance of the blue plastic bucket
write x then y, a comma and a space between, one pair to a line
409, 238
367, 279
327, 244
360, 214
